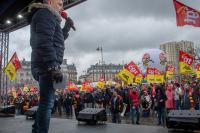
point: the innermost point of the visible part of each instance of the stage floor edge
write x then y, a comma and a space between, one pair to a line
19, 124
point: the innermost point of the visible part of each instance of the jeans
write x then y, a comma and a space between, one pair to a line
135, 111
116, 118
46, 103
161, 115
178, 104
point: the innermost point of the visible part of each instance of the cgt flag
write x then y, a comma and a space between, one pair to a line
12, 67
170, 71
159, 77
150, 75
186, 15
133, 68
185, 63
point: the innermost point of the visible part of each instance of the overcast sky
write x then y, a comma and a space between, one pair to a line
124, 28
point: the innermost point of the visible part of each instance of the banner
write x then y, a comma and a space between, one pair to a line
126, 76
185, 63
159, 77
138, 79
133, 68
186, 15
12, 67
198, 71
170, 71
150, 75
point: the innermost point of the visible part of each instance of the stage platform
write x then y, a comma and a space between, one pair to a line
19, 124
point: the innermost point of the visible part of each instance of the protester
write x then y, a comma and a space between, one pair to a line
134, 99
116, 106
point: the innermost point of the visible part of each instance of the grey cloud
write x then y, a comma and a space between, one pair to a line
124, 28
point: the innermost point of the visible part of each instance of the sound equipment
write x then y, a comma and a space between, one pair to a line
31, 113
7, 110
183, 119
92, 115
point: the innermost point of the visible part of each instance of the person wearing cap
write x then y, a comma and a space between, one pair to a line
134, 101
47, 43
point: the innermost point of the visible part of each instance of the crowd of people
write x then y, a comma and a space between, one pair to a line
132, 101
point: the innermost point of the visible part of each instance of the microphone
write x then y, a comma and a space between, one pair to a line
65, 16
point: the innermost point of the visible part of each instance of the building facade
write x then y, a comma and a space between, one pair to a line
97, 71
24, 75
172, 50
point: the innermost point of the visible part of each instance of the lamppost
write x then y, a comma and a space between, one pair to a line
101, 50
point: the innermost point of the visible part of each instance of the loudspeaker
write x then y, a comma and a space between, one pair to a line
9, 109
92, 115
183, 119
31, 113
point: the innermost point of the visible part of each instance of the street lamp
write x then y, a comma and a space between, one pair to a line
101, 50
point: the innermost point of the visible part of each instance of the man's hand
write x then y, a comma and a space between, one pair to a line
56, 74
68, 25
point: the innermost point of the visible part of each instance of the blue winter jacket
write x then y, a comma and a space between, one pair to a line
47, 41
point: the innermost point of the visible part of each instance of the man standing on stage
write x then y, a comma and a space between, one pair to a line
47, 43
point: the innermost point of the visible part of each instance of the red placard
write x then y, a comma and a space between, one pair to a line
150, 71
133, 68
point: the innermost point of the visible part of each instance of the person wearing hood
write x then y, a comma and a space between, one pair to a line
47, 43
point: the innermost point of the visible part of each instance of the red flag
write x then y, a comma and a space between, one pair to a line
15, 61
186, 58
186, 15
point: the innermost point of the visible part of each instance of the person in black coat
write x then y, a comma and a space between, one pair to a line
160, 99
116, 107
47, 43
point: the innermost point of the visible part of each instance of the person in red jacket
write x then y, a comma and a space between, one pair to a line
134, 100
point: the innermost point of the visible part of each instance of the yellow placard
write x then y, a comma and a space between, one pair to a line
151, 78
126, 76
159, 78
169, 74
184, 68
138, 79
198, 74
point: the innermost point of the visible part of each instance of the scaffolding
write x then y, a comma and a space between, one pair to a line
4, 46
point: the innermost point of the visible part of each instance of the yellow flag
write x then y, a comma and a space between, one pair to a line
150, 75
100, 84
126, 76
10, 71
170, 71
12, 67
184, 68
159, 78
198, 71
169, 74
138, 79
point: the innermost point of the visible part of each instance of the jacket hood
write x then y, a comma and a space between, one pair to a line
36, 6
